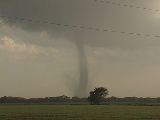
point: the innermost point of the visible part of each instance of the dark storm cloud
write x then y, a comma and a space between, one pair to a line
72, 12
86, 13
65, 12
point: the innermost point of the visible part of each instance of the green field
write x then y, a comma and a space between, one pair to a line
78, 112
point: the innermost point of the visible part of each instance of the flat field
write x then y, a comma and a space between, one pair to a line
79, 112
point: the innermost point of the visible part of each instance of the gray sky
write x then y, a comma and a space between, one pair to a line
40, 60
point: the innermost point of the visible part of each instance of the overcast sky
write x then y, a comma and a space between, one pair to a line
39, 59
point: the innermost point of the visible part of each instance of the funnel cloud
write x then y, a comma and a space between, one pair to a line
83, 69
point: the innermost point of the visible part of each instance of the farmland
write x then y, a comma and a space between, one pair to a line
79, 112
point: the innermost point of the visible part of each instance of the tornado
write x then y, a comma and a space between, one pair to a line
83, 70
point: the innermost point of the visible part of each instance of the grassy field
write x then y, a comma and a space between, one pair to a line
78, 112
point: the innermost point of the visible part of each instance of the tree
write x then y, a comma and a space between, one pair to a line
98, 95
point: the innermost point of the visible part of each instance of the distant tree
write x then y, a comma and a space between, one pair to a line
97, 95
3, 99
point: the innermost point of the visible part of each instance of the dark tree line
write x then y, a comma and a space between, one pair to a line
97, 96
47, 100
77, 100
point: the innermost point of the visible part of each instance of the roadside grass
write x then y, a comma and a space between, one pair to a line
79, 112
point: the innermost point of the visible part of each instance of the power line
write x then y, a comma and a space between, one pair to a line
126, 5
78, 26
